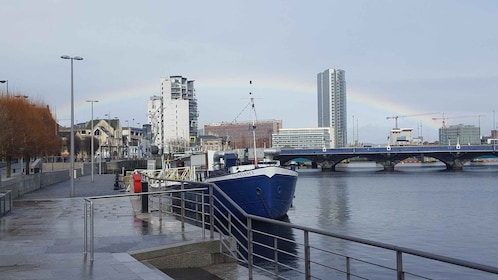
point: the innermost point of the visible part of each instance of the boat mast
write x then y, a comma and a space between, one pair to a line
253, 127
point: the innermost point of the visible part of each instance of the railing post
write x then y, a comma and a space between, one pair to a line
348, 268
92, 232
85, 235
307, 258
249, 248
183, 206
211, 211
275, 254
160, 207
399, 265
203, 217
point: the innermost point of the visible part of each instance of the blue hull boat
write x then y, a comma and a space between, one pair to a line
265, 191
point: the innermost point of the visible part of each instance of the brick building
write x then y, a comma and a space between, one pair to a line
239, 134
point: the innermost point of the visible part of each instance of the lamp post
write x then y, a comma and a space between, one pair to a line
72, 122
128, 138
7, 82
92, 101
357, 133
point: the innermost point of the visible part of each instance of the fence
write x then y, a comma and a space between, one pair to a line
283, 250
5, 202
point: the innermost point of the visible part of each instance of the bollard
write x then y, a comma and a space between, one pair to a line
116, 182
137, 179
145, 197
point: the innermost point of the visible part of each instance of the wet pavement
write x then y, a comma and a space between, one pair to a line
43, 236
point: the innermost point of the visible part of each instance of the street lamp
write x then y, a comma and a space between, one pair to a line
72, 122
7, 82
92, 101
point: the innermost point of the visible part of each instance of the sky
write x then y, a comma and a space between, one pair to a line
418, 60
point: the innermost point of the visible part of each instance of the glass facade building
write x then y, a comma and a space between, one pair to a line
460, 134
331, 90
303, 138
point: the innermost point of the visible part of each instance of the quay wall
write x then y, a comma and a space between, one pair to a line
107, 167
52, 173
19, 185
81, 168
186, 254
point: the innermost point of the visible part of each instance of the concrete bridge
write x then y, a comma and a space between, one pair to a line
454, 157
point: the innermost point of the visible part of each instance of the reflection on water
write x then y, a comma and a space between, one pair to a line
359, 166
332, 208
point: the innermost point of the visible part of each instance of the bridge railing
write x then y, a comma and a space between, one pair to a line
392, 149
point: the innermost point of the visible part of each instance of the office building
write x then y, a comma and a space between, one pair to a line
331, 89
460, 135
304, 138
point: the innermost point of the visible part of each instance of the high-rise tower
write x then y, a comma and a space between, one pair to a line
173, 115
331, 89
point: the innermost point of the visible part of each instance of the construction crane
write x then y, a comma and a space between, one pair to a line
443, 118
406, 116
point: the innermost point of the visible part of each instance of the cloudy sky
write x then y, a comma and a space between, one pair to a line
402, 58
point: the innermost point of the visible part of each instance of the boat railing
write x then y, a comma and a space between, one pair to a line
283, 250
159, 178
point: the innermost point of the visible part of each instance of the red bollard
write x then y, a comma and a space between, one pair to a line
137, 183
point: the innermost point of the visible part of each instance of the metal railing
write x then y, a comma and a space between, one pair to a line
5, 202
284, 250
173, 202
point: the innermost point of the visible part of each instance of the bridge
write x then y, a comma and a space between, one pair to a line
454, 157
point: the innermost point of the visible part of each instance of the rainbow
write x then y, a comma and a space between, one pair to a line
356, 97
142, 93
386, 106
107, 99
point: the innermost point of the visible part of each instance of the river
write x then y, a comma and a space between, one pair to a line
420, 206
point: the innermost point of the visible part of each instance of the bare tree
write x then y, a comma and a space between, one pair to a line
27, 130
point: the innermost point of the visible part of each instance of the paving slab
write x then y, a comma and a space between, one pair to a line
43, 237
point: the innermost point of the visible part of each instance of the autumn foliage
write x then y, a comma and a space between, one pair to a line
26, 130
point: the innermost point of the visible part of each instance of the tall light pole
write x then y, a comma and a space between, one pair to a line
494, 124
128, 138
93, 167
72, 122
7, 82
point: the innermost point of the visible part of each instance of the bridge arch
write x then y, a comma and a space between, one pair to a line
453, 158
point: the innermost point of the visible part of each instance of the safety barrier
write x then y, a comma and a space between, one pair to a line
5, 202
170, 201
286, 251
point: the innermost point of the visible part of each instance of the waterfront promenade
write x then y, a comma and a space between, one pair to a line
42, 238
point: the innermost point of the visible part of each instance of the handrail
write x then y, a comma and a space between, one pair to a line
228, 224
89, 233
307, 230
418, 253
5, 202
